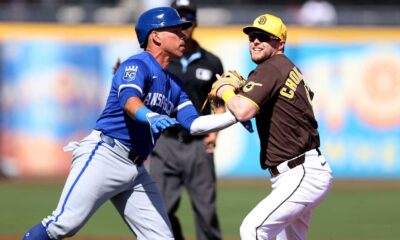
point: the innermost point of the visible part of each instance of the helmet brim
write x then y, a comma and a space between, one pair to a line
183, 24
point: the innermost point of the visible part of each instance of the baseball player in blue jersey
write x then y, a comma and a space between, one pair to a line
144, 100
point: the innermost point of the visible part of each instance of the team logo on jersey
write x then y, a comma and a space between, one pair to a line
130, 73
250, 85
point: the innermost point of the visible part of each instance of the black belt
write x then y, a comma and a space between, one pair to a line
136, 159
291, 164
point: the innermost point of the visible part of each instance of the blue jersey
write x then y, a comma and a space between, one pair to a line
143, 77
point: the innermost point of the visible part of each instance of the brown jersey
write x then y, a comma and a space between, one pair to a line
285, 123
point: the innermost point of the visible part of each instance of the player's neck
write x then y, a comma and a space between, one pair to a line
160, 56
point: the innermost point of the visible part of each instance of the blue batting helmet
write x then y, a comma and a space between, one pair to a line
157, 18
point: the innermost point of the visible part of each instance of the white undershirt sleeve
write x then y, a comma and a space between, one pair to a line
212, 123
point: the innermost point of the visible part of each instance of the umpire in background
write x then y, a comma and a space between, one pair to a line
180, 159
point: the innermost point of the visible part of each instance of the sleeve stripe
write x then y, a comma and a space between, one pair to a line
182, 105
122, 86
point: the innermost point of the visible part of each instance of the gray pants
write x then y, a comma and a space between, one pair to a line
175, 164
102, 172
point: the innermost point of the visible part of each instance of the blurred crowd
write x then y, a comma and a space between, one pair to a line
218, 12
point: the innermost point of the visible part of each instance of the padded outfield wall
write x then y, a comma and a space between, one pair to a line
55, 79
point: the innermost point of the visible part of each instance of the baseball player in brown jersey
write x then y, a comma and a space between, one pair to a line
277, 95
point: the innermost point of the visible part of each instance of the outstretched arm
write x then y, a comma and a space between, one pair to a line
212, 123
189, 118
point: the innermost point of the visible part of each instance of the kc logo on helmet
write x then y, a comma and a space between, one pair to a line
130, 73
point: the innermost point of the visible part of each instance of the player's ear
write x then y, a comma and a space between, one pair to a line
281, 46
155, 38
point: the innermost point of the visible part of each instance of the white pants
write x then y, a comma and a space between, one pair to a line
102, 172
286, 212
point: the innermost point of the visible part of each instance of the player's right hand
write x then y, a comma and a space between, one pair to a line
159, 123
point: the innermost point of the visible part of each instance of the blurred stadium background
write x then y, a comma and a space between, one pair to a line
56, 61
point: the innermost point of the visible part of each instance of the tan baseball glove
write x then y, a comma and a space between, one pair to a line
231, 78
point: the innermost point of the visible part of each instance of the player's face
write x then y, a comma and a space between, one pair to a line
173, 41
263, 46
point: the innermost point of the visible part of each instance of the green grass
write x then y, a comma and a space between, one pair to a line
358, 214
353, 210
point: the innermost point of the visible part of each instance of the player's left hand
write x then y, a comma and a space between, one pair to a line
231, 78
